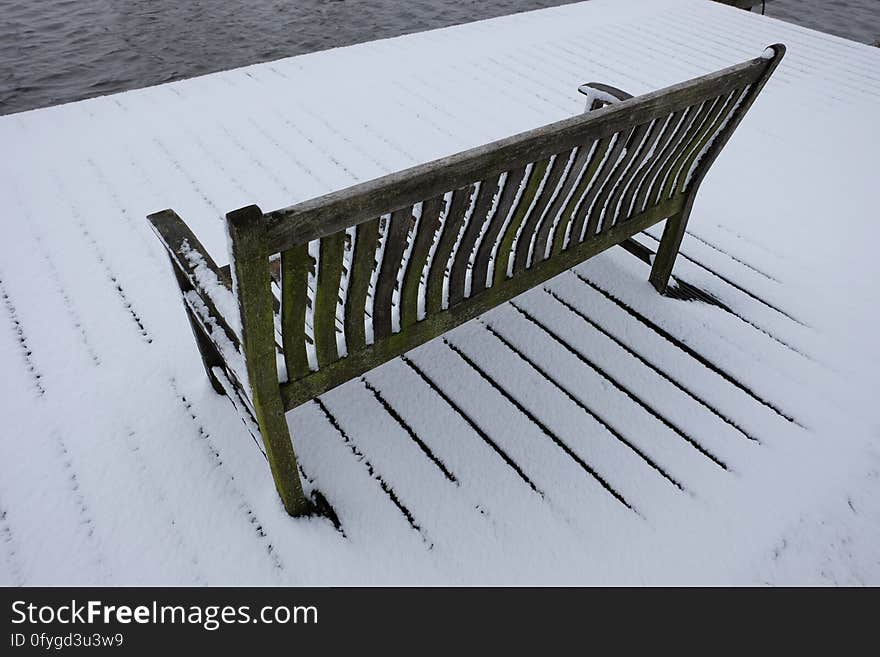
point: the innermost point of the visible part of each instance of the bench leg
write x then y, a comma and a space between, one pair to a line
673, 233
250, 257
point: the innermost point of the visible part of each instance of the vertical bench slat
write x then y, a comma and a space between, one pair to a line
597, 152
584, 212
645, 151
451, 226
655, 195
597, 215
723, 117
644, 193
572, 176
327, 296
363, 260
295, 265
704, 129
553, 189
583, 196
605, 179
504, 254
640, 153
668, 130
480, 273
527, 235
424, 238
482, 207
395, 244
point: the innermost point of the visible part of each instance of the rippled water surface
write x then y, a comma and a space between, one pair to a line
55, 51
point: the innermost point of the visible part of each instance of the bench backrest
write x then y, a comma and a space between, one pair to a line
403, 258
374, 270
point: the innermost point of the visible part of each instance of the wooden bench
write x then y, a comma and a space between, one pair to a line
322, 291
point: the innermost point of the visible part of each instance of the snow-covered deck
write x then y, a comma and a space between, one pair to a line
744, 439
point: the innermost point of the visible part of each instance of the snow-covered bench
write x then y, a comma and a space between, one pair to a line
320, 292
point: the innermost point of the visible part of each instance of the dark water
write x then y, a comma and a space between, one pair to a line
56, 51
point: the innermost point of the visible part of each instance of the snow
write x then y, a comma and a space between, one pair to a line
592, 95
589, 432
221, 296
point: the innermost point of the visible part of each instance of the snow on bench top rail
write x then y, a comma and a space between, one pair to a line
118, 463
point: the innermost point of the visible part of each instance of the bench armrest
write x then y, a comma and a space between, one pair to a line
206, 288
184, 248
599, 95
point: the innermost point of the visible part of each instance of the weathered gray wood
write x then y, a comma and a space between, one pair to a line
480, 273
587, 188
205, 321
708, 130
604, 88
180, 243
724, 115
327, 297
327, 214
505, 253
210, 355
649, 183
667, 250
586, 213
596, 221
395, 244
628, 203
461, 199
458, 272
552, 213
597, 153
643, 155
700, 127
649, 186
175, 236
363, 261
533, 219
502, 289
429, 222
723, 137
250, 260
295, 265
681, 145
673, 232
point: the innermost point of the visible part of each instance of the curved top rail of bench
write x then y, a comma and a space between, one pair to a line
324, 215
